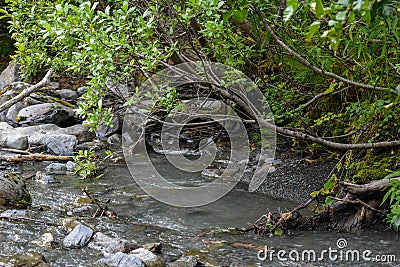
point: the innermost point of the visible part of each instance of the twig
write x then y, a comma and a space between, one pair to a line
359, 201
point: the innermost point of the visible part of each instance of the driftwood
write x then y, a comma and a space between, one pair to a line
34, 157
356, 207
45, 81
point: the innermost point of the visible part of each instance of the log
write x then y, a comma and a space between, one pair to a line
356, 207
34, 157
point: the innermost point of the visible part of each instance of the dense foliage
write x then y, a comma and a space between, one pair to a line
127, 41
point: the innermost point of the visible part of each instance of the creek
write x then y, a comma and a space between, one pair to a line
193, 231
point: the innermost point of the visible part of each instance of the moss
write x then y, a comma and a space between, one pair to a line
26, 200
20, 118
375, 166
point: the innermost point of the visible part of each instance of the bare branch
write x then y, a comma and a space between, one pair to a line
45, 81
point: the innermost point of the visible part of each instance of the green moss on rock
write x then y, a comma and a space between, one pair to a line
375, 166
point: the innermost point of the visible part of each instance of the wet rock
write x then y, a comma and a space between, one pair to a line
69, 224
36, 133
54, 113
13, 192
153, 247
11, 139
67, 94
45, 178
79, 237
149, 258
12, 113
13, 213
114, 139
120, 259
62, 145
184, 261
53, 86
83, 200
56, 168
82, 90
70, 166
10, 75
95, 145
29, 259
109, 245
104, 130
19, 142
81, 211
45, 240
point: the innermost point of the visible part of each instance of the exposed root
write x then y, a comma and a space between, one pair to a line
356, 207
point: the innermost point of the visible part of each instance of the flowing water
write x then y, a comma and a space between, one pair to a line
197, 231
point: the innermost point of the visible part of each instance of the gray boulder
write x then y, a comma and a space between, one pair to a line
11, 139
109, 245
104, 130
67, 94
120, 259
12, 113
56, 168
35, 133
61, 145
13, 192
17, 141
10, 75
148, 257
54, 113
79, 237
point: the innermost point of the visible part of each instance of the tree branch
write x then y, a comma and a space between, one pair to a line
312, 67
45, 81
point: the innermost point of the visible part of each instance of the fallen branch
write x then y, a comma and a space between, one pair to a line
34, 157
243, 102
45, 81
101, 211
359, 201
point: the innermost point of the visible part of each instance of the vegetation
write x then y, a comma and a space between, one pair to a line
328, 69
88, 163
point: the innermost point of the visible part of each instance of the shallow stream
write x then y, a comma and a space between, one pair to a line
198, 231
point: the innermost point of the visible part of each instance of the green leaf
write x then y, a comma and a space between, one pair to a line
328, 201
343, 3
387, 7
319, 9
396, 222
291, 7
240, 15
341, 16
357, 5
312, 30
393, 174
278, 231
